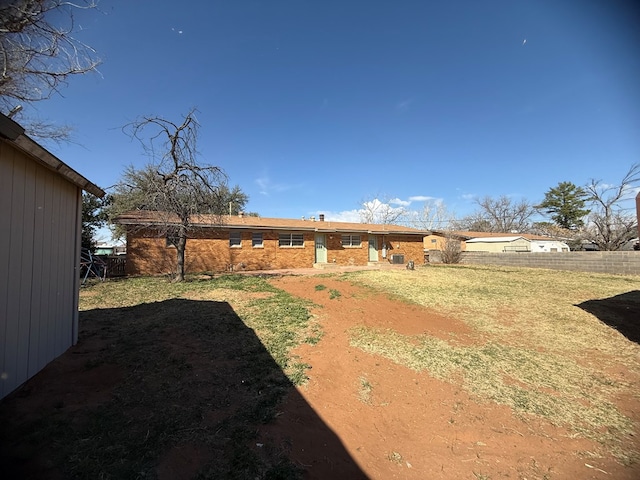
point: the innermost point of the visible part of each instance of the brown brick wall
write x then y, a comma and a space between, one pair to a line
149, 256
209, 251
347, 255
412, 247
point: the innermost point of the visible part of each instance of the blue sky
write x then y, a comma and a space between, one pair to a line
314, 106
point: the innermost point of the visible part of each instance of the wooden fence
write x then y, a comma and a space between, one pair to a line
115, 265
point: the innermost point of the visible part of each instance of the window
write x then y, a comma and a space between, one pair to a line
351, 240
235, 239
291, 240
256, 240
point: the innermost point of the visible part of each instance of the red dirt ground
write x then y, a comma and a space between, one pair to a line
413, 426
410, 426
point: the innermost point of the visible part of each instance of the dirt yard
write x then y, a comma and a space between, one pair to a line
396, 423
369, 418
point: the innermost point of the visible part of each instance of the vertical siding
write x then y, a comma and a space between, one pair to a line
9, 344
6, 177
23, 274
39, 212
12, 367
37, 338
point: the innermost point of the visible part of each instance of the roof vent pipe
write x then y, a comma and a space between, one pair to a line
313, 219
322, 217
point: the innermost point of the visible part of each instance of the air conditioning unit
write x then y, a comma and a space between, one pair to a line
397, 259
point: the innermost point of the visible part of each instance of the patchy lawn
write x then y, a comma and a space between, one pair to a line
441, 372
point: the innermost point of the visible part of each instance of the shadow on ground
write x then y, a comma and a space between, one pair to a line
621, 312
171, 390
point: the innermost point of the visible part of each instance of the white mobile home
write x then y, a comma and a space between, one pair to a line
548, 246
498, 244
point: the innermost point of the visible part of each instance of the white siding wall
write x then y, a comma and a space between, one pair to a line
498, 247
548, 246
39, 238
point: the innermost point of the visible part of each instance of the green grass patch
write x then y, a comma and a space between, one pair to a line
205, 362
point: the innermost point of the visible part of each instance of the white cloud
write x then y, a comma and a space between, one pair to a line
263, 183
423, 198
403, 105
266, 186
352, 216
397, 201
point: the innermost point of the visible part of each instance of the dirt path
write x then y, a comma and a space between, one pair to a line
396, 423
391, 422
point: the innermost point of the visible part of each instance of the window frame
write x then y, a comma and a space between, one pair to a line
292, 242
232, 238
350, 243
253, 240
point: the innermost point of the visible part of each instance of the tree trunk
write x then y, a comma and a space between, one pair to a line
180, 249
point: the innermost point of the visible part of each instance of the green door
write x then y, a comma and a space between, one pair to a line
373, 249
321, 249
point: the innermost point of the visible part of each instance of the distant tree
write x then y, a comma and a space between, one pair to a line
234, 199
94, 216
434, 215
174, 183
610, 225
474, 222
566, 204
451, 250
381, 211
38, 54
499, 215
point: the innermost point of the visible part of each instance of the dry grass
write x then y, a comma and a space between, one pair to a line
526, 307
537, 351
365, 390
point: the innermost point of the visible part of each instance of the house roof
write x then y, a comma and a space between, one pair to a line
497, 239
11, 132
470, 234
149, 218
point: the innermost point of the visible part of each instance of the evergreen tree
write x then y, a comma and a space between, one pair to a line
93, 217
566, 204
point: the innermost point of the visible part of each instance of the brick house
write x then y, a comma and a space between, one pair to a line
225, 243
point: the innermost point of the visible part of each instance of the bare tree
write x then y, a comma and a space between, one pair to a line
610, 226
451, 250
382, 211
38, 54
433, 216
499, 215
174, 184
